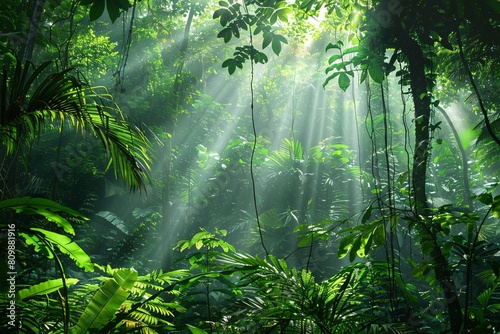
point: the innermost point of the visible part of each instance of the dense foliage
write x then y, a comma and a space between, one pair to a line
250, 166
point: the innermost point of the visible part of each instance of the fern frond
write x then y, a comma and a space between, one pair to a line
139, 287
163, 308
145, 317
139, 326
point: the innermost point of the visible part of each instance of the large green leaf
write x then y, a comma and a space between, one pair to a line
276, 43
113, 7
106, 301
361, 239
344, 81
40, 247
376, 73
66, 246
45, 288
96, 9
114, 219
44, 207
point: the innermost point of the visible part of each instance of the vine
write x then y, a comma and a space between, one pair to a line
120, 72
254, 146
476, 90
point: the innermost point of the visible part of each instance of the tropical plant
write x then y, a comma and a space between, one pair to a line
413, 37
32, 100
276, 297
400, 238
47, 243
214, 289
125, 292
122, 294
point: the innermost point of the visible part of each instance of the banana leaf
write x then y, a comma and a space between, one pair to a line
45, 288
106, 302
67, 246
42, 206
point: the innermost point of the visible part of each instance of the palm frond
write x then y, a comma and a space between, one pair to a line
288, 158
26, 108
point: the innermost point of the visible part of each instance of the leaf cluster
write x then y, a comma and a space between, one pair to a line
32, 100
113, 7
234, 17
277, 297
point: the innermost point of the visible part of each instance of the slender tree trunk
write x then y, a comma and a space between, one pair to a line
180, 67
65, 55
27, 53
422, 103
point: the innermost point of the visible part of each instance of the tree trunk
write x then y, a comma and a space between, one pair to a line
180, 67
422, 103
27, 53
